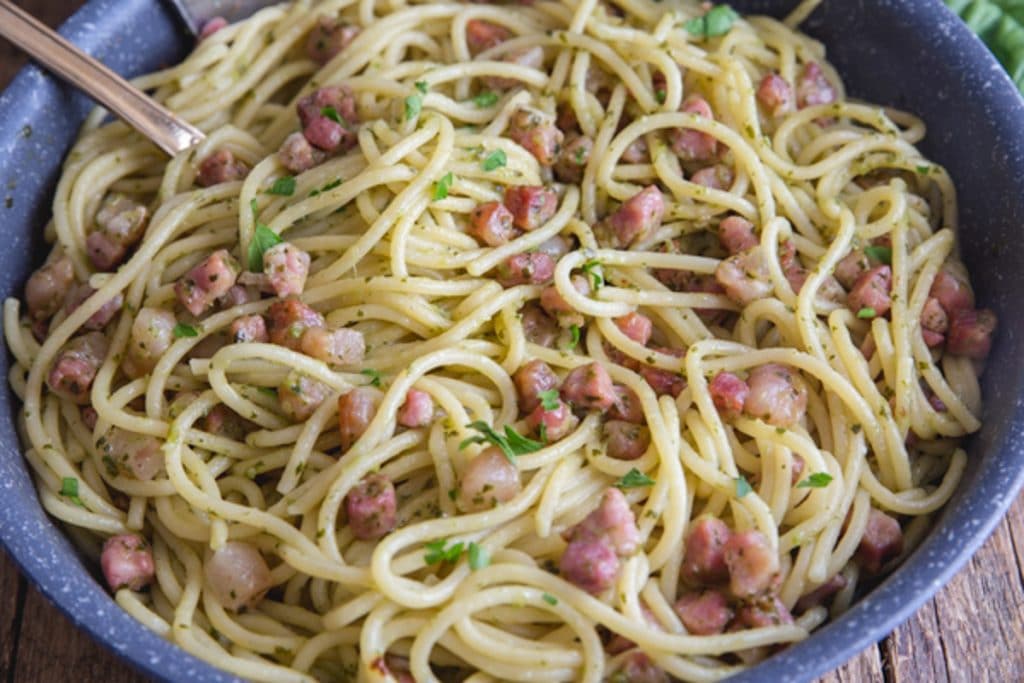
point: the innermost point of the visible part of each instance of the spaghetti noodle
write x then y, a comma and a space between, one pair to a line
563, 341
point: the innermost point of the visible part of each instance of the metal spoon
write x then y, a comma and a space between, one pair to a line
169, 132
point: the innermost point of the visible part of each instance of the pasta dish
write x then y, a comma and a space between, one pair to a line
547, 341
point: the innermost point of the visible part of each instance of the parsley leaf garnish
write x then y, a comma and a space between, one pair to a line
264, 238
818, 480
413, 106
660, 96
634, 479
284, 187
924, 170
742, 486
485, 99
478, 557
879, 253
69, 489
549, 399
495, 160
717, 22
866, 313
512, 443
437, 553
596, 277
442, 186
374, 376
183, 330
422, 86
331, 113
550, 599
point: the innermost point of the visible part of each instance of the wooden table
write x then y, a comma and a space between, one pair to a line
972, 631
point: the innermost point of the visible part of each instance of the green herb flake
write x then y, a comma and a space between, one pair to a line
268, 391
717, 22
924, 170
182, 330
374, 376
422, 86
879, 253
478, 557
742, 487
263, 238
592, 269
634, 479
550, 599
329, 186
413, 107
442, 186
495, 160
660, 96
866, 313
485, 99
574, 336
818, 480
549, 399
69, 489
437, 552
331, 113
284, 187
511, 443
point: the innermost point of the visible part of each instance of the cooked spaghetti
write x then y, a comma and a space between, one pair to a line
556, 341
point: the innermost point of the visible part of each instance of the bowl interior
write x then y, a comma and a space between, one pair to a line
914, 55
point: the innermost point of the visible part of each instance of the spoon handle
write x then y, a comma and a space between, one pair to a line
169, 132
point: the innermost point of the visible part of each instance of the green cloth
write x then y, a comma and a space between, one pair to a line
1000, 23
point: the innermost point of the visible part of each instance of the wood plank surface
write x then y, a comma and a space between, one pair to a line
973, 631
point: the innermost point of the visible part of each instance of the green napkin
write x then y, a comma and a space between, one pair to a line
1000, 23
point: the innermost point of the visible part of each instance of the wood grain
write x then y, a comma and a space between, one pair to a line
973, 631
79, 658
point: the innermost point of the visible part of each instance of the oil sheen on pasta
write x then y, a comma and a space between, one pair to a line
547, 341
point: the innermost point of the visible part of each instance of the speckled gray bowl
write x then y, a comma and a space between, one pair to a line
909, 53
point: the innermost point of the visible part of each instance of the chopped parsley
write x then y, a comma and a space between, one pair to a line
549, 399
818, 480
374, 376
574, 336
866, 313
485, 99
329, 186
478, 557
550, 599
495, 160
442, 186
422, 86
183, 330
413, 107
660, 96
69, 489
634, 479
437, 552
742, 487
924, 170
879, 253
512, 443
267, 391
591, 268
331, 113
717, 22
264, 238
285, 187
